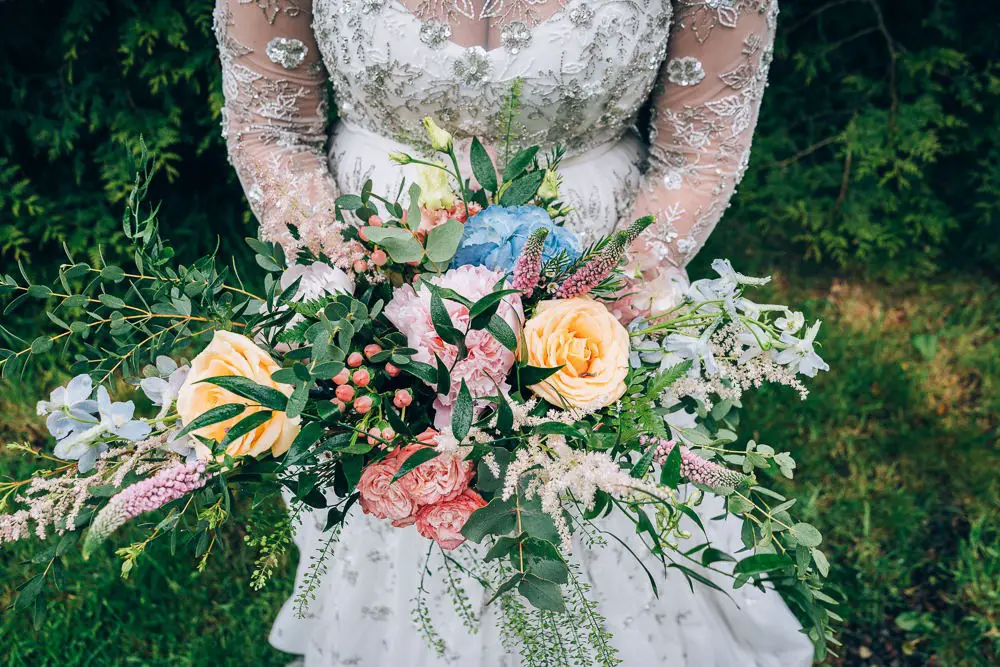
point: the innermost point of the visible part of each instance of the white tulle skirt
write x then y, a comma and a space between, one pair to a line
363, 611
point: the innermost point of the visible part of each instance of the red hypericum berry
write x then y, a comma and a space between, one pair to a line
391, 370
388, 434
402, 398
371, 350
360, 266
374, 221
343, 377
354, 359
379, 258
361, 377
374, 433
337, 403
345, 392
363, 404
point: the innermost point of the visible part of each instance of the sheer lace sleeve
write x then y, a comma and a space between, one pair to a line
274, 120
704, 115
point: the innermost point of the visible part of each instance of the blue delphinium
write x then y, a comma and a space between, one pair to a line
495, 236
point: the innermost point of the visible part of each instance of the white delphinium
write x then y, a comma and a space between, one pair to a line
799, 354
162, 390
69, 409
791, 322
317, 280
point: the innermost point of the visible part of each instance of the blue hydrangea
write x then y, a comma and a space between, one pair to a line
495, 236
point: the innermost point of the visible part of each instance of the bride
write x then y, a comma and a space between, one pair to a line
573, 73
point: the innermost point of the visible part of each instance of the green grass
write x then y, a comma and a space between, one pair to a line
897, 451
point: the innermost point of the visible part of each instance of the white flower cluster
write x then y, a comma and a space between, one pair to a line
731, 344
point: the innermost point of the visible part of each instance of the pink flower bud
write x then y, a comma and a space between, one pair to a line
354, 359
379, 258
345, 392
391, 370
360, 266
374, 433
363, 404
388, 434
371, 350
361, 377
342, 377
337, 403
374, 221
362, 235
402, 398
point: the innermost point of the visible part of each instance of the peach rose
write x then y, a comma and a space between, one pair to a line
233, 354
591, 345
441, 479
382, 498
443, 522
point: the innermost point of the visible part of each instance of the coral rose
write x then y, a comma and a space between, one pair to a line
590, 344
442, 478
443, 522
233, 354
382, 498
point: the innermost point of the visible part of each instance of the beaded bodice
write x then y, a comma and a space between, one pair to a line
582, 73
575, 71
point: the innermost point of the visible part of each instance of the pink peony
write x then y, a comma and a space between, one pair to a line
443, 522
441, 479
383, 499
488, 362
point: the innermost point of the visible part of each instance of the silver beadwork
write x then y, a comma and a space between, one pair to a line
289, 53
515, 36
686, 71
473, 67
372, 6
434, 34
581, 15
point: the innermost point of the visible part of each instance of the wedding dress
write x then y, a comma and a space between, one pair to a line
572, 73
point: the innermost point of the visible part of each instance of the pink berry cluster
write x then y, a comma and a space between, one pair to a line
353, 381
695, 468
378, 256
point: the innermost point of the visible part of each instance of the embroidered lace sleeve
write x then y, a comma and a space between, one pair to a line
705, 111
274, 120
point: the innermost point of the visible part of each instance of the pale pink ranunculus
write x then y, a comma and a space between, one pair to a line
442, 478
443, 522
382, 498
488, 362
431, 218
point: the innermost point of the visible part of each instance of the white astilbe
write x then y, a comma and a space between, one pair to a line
524, 420
559, 471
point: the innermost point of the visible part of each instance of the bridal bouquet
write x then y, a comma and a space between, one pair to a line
459, 369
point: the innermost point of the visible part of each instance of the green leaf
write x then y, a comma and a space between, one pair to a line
419, 369
306, 438
39, 292
247, 388
482, 311
517, 164
443, 240
461, 416
641, 466
502, 332
503, 546
505, 586
670, 473
523, 189
112, 274
541, 594
111, 301
531, 375
497, 518
482, 166
442, 322
443, 377
246, 425
807, 535
663, 380
422, 455
401, 245
41, 345
214, 416
761, 563
413, 212
822, 564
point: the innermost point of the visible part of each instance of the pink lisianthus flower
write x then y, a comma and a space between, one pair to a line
383, 499
441, 479
431, 218
443, 522
488, 362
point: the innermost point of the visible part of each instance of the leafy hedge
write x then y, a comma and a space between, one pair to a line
877, 149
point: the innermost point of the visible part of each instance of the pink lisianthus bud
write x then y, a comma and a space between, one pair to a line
528, 267
402, 398
363, 404
361, 377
